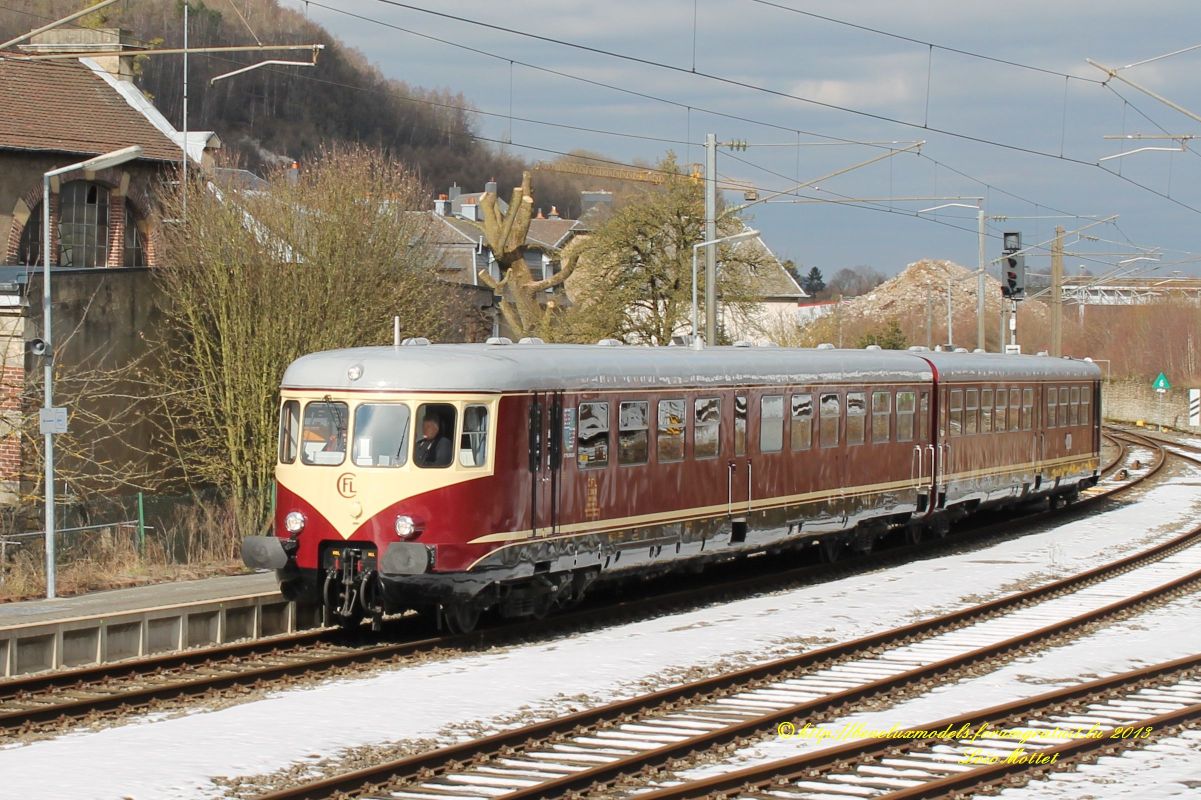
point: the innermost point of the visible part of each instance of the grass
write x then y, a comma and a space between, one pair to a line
195, 542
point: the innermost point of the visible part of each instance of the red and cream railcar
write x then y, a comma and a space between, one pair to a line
567, 464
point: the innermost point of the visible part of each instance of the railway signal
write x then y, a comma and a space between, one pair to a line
1014, 264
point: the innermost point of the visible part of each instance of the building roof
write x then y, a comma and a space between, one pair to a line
66, 107
549, 233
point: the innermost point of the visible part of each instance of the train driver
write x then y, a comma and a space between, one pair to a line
433, 449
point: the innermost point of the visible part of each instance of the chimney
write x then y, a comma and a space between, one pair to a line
469, 209
490, 186
112, 48
554, 213
539, 215
455, 191
442, 206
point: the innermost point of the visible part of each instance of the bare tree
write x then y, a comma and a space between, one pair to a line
255, 279
506, 235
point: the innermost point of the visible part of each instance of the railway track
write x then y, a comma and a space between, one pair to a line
595, 752
981, 750
54, 698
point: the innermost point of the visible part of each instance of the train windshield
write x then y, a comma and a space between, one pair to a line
381, 431
323, 436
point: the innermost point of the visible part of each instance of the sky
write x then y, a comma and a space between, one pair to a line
812, 96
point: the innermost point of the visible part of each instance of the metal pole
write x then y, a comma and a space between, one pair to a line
1057, 293
185, 111
929, 318
48, 381
141, 524
710, 235
980, 281
696, 339
950, 322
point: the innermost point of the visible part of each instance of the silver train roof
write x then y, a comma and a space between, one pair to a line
518, 367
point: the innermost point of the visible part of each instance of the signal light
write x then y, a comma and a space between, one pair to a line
1014, 284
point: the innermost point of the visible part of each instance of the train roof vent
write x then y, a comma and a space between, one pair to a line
919, 348
873, 347
768, 343
497, 340
1088, 359
609, 343
1043, 353
960, 349
825, 346
531, 340
415, 341
979, 350
743, 343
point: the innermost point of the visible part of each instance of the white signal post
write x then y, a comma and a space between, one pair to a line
53, 420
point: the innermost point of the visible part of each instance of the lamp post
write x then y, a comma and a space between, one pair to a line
697, 342
48, 428
980, 235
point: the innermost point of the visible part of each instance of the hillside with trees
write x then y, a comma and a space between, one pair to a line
273, 115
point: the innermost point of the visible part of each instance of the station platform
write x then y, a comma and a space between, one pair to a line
99, 627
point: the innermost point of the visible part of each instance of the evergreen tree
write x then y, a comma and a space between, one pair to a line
813, 282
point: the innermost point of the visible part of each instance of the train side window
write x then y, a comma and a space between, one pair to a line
289, 431
429, 450
1027, 408
986, 410
669, 435
829, 412
905, 409
706, 427
881, 416
973, 407
633, 445
1015, 405
1052, 402
324, 433
856, 416
923, 417
473, 445
801, 429
956, 412
1085, 417
380, 435
771, 423
1063, 406
1002, 410
592, 451
1074, 407
740, 425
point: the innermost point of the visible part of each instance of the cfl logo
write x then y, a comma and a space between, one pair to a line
346, 485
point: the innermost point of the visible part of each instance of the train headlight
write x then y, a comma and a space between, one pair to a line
405, 527
294, 522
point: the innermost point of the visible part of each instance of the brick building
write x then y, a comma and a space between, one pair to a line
52, 114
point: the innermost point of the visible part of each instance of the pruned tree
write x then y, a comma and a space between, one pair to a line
255, 279
506, 235
635, 278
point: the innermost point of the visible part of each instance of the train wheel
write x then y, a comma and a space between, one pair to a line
913, 533
461, 617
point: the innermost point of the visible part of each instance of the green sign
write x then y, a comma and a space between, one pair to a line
1161, 383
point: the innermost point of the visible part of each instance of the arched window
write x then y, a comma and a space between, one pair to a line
29, 251
135, 246
83, 225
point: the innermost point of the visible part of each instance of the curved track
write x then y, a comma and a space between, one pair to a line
124, 687
597, 751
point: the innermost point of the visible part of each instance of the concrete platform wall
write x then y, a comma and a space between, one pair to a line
1131, 401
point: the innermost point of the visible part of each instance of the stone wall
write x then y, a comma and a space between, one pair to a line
1131, 401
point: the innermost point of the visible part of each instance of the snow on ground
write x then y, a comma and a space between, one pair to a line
176, 758
1160, 635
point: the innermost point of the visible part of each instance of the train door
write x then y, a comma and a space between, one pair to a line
545, 461
918, 429
739, 475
